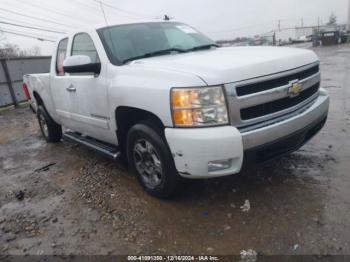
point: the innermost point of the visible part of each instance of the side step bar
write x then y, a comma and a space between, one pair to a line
106, 149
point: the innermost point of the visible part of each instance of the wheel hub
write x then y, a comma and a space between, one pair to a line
148, 163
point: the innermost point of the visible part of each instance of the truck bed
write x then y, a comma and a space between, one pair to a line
37, 82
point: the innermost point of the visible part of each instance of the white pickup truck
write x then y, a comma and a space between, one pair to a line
174, 104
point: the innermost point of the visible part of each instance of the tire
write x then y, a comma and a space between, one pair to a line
51, 131
150, 159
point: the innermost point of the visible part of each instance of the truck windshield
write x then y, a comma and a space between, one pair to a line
124, 43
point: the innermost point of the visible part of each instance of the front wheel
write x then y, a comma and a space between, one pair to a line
51, 131
150, 159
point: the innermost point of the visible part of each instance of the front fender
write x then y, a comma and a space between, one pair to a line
146, 89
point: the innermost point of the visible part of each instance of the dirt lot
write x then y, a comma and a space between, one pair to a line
85, 204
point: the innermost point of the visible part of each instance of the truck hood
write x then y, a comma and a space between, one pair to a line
232, 64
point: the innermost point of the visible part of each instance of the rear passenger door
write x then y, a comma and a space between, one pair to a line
90, 114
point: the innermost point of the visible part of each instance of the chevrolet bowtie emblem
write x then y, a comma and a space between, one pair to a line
295, 89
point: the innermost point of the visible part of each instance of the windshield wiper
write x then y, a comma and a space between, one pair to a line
202, 47
155, 53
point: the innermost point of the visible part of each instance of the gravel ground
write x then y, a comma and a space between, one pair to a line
75, 202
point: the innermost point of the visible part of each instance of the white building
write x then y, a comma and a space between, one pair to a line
297, 33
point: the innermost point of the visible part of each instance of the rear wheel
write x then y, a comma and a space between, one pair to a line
51, 131
151, 160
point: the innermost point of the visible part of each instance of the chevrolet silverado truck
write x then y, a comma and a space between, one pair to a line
174, 104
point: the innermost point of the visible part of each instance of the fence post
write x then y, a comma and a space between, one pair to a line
9, 82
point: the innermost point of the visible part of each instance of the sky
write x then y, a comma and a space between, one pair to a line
219, 19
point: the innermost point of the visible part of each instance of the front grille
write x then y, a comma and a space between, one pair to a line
274, 83
278, 105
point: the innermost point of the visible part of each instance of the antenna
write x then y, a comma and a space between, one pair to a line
103, 12
107, 25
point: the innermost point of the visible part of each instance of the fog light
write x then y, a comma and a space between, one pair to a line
218, 165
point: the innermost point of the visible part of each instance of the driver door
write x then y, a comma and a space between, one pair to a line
90, 94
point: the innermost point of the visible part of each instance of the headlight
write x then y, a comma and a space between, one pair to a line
195, 107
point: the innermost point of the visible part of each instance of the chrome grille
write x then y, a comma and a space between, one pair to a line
273, 83
278, 105
261, 99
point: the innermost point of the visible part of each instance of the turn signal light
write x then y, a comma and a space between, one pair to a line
201, 106
183, 117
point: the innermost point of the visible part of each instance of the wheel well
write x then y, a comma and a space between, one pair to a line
38, 99
126, 117
40, 102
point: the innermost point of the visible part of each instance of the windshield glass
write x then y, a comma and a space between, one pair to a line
125, 42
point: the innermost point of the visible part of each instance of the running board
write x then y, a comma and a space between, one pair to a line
106, 149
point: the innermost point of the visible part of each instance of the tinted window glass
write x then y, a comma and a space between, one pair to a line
61, 55
127, 41
83, 45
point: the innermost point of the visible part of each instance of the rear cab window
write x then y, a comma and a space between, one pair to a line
61, 55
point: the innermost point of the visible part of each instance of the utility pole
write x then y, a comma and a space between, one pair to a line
316, 32
349, 17
279, 25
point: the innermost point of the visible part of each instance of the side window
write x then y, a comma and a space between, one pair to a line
83, 45
61, 55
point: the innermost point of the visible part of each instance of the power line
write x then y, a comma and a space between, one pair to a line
103, 12
27, 24
265, 23
29, 36
32, 27
28, 33
244, 27
120, 12
50, 10
114, 8
130, 14
106, 21
93, 10
33, 17
88, 7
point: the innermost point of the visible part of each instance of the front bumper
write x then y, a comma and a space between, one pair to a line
314, 112
194, 148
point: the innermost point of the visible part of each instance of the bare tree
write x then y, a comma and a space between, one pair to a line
332, 19
9, 50
12, 50
34, 51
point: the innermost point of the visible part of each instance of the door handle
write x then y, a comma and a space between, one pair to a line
71, 88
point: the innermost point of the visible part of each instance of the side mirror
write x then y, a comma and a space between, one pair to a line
81, 64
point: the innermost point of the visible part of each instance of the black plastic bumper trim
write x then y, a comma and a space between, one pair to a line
282, 146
